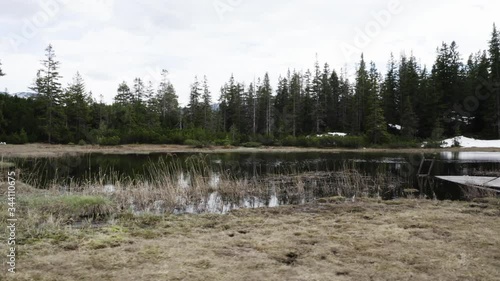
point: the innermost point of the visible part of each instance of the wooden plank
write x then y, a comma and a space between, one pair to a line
485, 182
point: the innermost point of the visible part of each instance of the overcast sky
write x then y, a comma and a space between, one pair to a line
109, 41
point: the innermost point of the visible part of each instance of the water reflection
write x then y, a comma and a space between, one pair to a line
467, 156
276, 171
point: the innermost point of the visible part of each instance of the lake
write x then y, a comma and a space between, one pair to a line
387, 174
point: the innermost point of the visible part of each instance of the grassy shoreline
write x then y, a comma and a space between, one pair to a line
326, 240
46, 150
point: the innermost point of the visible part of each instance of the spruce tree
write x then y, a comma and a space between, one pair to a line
407, 92
77, 109
295, 95
168, 102
376, 126
265, 106
494, 52
390, 97
1, 72
281, 115
362, 89
307, 106
124, 95
333, 110
193, 109
206, 105
49, 88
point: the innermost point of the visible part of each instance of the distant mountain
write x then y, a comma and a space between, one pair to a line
25, 95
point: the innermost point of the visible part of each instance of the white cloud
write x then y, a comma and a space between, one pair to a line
110, 41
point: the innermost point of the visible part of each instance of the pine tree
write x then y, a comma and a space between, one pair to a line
139, 91
77, 109
326, 99
333, 103
376, 126
251, 108
409, 121
346, 105
1, 72
152, 105
361, 92
124, 95
407, 92
206, 105
448, 81
390, 97
193, 109
307, 106
265, 106
477, 113
281, 114
295, 96
494, 52
317, 96
169, 104
49, 88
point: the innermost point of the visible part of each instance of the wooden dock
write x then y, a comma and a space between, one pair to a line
487, 183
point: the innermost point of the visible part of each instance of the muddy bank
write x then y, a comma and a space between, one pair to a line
45, 150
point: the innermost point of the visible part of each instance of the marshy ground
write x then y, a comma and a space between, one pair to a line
330, 239
47, 150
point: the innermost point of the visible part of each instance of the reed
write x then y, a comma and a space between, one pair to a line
197, 185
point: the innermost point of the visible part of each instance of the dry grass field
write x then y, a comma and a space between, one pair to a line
331, 239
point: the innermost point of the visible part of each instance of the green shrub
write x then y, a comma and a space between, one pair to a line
70, 206
109, 141
265, 140
289, 141
82, 142
223, 142
194, 143
23, 137
16, 138
403, 144
252, 144
433, 144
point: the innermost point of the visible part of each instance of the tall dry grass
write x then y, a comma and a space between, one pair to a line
197, 185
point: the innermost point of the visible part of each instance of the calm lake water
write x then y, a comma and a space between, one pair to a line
401, 166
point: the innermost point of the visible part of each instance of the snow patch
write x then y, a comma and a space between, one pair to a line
395, 126
469, 142
334, 134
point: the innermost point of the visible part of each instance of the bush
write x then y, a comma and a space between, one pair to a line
400, 142
82, 142
266, 140
289, 141
109, 141
331, 141
17, 138
71, 206
403, 144
196, 144
252, 144
223, 142
433, 144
